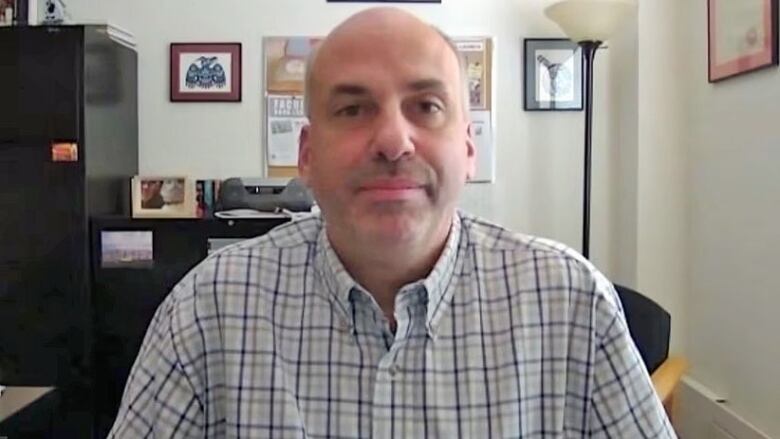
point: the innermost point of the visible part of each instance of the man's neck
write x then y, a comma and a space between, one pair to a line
384, 268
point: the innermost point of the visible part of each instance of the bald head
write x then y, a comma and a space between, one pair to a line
381, 23
378, 19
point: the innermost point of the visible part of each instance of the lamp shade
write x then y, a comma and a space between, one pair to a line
590, 20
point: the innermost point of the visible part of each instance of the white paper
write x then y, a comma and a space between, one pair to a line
249, 213
285, 121
740, 30
555, 69
482, 134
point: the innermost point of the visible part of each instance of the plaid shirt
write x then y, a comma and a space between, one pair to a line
508, 336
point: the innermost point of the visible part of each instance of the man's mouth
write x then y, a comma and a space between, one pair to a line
391, 189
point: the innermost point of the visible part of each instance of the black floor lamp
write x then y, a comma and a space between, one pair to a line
589, 23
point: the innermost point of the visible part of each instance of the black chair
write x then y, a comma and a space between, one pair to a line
650, 327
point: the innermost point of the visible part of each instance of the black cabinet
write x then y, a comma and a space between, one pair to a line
54, 89
126, 295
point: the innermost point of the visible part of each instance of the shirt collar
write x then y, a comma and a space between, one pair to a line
340, 283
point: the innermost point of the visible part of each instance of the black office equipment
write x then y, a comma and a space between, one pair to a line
265, 195
68, 146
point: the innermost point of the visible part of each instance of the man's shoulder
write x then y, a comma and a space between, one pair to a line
488, 236
561, 265
244, 258
245, 268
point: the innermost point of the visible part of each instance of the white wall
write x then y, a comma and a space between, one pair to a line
649, 197
624, 82
662, 259
732, 136
539, 155
699, 195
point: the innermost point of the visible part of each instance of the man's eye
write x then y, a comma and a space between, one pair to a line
349, 111
430, 107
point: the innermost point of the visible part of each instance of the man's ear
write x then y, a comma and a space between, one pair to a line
471, 154
304, 154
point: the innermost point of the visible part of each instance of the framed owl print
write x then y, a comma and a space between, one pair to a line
205, 72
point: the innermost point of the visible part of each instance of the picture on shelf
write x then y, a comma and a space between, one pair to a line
163, 197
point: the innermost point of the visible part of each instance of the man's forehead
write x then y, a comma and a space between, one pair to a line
379, 21
407, 59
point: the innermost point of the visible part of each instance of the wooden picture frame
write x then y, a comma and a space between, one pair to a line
163, 197
205, 72
552, 75
741, 37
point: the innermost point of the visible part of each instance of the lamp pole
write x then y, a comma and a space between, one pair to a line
588, 54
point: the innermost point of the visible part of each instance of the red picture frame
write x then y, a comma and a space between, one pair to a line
205, 72
741, 36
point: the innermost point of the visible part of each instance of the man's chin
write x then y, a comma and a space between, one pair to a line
394, 230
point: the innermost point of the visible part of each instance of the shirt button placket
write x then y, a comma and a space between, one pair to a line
387, 373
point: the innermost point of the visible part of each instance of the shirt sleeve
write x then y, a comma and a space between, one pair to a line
160, 399
624, 402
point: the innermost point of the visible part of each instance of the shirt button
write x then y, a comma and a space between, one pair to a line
345, 327
393, 371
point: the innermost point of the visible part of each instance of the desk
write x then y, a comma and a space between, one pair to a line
14, 399
28, 412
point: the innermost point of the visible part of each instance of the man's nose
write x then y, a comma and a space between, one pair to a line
393, 135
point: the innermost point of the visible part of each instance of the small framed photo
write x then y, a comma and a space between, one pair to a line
553, 75
205, 72
742, 36
126, 249
164, 197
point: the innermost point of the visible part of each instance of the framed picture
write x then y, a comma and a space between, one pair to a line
384, 1
7, 19
205, 72
742, 36
285, 63
126, 249
553, 76
164, 197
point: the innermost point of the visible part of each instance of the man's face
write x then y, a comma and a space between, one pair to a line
388, 149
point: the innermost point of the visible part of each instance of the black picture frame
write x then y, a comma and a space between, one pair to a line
384, 1
538, 90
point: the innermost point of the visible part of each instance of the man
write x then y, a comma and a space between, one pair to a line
393, 314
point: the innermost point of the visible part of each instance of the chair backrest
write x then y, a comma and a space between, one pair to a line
649, 325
